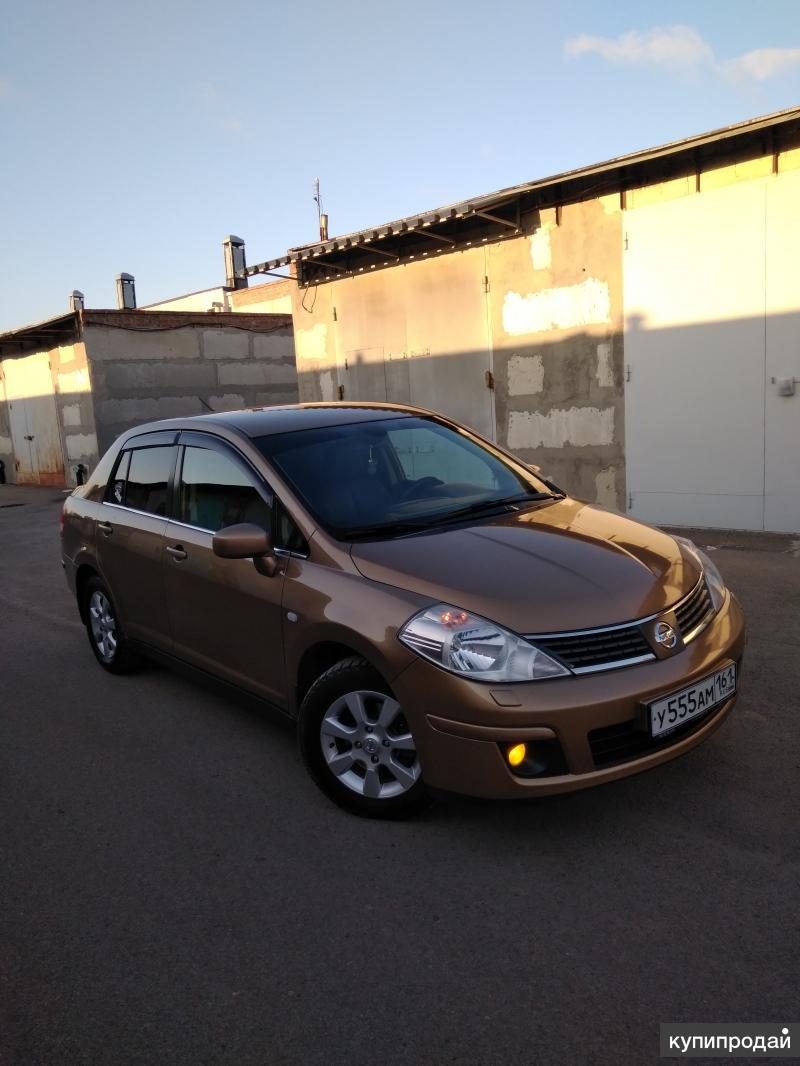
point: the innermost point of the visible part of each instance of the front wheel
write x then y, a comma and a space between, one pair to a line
357, 744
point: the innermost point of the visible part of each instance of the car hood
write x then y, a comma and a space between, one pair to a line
563, 565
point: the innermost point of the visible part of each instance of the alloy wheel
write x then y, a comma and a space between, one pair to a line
103, 624
368, 745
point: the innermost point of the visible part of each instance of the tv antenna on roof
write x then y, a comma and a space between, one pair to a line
322, 218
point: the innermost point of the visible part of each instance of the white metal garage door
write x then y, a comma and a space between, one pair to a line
711, 316
35, 434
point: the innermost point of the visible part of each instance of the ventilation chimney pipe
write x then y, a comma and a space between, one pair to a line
233, 247
126, 292
76, 300
323, 227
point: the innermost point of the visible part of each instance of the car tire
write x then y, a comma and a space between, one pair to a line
357, 745
106, 635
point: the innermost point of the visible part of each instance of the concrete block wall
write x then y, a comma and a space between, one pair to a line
143, 374
556, 307
543, 312
72, 389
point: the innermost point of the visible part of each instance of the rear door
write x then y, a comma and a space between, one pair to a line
130, 535
225, 616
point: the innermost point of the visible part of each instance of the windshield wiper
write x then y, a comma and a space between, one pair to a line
399, 528
384, 529
491, 505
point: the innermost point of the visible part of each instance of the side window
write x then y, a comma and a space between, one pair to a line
115, 490
215, 492
148, 479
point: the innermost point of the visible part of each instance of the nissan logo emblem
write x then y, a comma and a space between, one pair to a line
665, 634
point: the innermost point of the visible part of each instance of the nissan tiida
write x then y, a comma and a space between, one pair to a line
435, 614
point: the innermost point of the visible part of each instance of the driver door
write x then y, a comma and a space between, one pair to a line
225, 615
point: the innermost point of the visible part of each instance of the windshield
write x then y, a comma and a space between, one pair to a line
396, 476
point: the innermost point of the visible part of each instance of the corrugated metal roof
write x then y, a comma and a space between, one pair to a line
482, 206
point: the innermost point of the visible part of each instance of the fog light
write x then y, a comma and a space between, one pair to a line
516, 755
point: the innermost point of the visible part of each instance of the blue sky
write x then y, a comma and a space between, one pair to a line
134, 137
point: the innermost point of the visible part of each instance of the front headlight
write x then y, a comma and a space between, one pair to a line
471, 646
716, 586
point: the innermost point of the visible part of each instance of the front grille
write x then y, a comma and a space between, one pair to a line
695, 611
628, 740
589, 650
597, 649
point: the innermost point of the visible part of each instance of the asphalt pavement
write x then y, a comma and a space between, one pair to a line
175, 890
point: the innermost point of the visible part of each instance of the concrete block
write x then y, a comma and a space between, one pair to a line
566, 307
122, 377
67, 353
81, 445
105, 344
71, 414
231, 401
327, 382
126, 412
312, 343
525, 375
559, 428
226, 343
179, 406
74, 381
278, 345
605, 367
541, 252
274, 396
606, 487
261, 373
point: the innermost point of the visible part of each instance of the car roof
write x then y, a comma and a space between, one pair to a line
264, 421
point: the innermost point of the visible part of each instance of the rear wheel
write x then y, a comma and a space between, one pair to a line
106, 636
357, 744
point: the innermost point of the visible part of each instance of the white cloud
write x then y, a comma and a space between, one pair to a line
762, 63
677, 46
682, 49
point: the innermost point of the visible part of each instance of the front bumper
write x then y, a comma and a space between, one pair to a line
460, 726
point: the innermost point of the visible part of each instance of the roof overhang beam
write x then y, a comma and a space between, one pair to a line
496, 218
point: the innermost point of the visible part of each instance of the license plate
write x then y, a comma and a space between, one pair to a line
675, 710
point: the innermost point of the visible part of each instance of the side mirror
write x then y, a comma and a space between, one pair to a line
535, 468
246, 541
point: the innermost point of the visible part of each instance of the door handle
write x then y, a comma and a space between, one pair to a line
105, 528
177, 552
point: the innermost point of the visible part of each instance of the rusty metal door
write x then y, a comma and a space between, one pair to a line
35, 435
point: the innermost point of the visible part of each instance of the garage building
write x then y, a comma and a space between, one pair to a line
633, 326
70, 385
